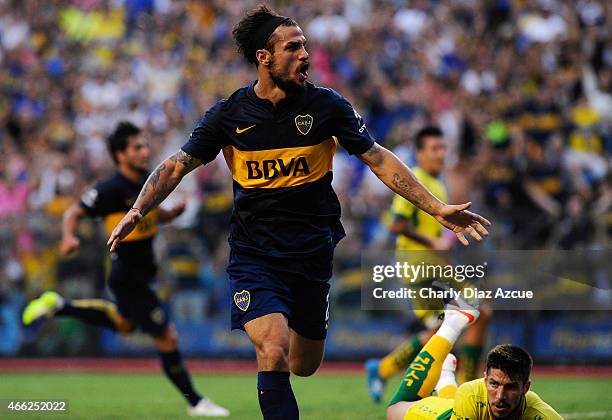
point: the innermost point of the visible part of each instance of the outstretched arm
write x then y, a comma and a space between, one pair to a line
401, 180
158, 186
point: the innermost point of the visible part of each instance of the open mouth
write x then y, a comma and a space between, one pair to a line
303, 71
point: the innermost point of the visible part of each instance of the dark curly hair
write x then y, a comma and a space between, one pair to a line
245, 30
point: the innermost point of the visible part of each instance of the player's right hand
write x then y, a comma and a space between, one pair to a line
123, 228
69, 244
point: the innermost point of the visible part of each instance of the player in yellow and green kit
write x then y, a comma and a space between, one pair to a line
503, 393
418, 231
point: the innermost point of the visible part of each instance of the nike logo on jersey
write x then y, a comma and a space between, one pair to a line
242, 130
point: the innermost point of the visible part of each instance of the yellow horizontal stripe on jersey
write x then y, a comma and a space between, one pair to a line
185, 266
146, 229
278, 168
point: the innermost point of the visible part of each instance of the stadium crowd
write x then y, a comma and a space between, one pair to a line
521, 90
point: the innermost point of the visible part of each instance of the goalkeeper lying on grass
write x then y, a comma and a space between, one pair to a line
503, 393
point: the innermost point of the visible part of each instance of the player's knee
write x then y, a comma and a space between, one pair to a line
273, 355
303, 367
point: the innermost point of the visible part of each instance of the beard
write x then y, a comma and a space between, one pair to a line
283, 81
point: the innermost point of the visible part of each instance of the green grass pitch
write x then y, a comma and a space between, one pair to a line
150, 396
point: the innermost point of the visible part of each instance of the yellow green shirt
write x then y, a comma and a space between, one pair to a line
420, 221
471, 403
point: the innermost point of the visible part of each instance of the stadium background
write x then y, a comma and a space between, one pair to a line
521, 90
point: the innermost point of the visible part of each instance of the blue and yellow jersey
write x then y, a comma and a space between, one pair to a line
110, 200
471, 403
418, 220
280, 158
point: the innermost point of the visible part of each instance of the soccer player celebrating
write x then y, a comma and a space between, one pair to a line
132, 266
278, 137
416, 230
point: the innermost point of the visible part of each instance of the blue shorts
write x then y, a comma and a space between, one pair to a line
296, 287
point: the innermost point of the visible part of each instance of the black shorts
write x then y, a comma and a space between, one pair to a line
136, 300
295, 287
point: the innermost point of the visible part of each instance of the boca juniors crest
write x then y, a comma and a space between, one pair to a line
242, 300
304, 123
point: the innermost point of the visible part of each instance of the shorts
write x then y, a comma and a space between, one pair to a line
430, 312
296, 287
136, 300
431, 408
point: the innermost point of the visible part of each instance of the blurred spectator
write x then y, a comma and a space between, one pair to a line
521, 89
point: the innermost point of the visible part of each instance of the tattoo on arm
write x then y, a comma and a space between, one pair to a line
154, 191
154, 178
186, 160
399, 178
164, 179
373, 156
417, 193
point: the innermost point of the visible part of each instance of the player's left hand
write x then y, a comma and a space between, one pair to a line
458, 219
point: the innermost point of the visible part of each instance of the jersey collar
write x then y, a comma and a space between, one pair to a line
282, 104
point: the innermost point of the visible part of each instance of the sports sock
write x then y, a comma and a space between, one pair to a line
99, 312
454, 323
177, 373
469, 361
276, 399
447, 385
424, 372
400, 358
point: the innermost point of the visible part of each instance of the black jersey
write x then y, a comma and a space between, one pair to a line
110, 200
281, 164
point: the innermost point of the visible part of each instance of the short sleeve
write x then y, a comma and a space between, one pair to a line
92, 201
538, 409
402, 208
207, 138
350, 128
464, 407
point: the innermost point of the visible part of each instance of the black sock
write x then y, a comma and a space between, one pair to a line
276, 399
176, 372
92, 311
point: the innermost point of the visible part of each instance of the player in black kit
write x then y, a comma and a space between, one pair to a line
278, 136
133, 265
